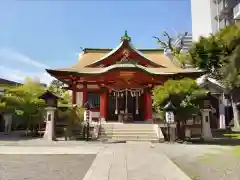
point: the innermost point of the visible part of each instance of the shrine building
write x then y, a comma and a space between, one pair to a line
120, 80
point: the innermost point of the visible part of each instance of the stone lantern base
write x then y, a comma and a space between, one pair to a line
50, 124
206, 129
7, 123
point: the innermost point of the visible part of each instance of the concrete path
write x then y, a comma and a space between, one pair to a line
138, 161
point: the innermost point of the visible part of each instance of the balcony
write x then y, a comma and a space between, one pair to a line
236, 11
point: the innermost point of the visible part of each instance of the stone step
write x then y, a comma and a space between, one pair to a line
129, 140
127, 125
130, 132
131, 136
132, 139
127, 130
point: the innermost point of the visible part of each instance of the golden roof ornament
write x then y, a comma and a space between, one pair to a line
125, 37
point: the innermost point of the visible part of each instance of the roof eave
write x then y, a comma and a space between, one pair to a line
122, 67
108, 54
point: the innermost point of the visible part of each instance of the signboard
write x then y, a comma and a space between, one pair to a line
88, 116
169, 117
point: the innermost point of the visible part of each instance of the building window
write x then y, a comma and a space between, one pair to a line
93, 99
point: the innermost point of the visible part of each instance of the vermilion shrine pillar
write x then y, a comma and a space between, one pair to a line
147, 106
103, 105
74, 95
84, 91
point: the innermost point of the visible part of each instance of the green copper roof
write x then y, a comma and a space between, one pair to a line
126, 37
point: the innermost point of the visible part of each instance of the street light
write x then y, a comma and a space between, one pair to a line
87, 109
169, 109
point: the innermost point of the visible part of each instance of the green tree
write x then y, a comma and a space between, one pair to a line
183, 59
174, 47
73, 114
231, 80
182, 93
219, 55
207, 55
23, 101
57, 87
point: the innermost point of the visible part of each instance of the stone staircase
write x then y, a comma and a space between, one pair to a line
129, 132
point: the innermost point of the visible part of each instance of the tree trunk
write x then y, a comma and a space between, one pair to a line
235, 114
27, 126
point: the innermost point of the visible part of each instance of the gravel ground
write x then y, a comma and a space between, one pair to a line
44, 167
204, 162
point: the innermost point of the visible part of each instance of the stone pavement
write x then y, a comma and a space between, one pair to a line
49, 150
123, 161
137, 161
44, 166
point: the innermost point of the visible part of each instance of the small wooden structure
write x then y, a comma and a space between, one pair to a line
50, 98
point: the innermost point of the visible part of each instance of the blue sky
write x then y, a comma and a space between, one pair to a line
48, 34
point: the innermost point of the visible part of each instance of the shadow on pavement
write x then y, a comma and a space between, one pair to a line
17, 136
221, 141
225, 137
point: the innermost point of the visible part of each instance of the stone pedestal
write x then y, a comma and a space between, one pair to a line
7, 122
50, 124
206, 129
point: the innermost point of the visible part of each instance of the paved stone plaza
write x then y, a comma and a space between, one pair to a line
56, 161
44, 167
75, 160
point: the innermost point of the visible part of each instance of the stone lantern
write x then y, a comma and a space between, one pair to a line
169, 109
206, 108
51, 100
7, 122
87, 117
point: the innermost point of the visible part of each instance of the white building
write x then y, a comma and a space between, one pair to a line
209, 16
187, 42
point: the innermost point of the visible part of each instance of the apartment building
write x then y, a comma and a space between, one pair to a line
187, 42
209, 16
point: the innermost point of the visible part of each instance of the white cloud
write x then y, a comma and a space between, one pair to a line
46, 78
10, 55
16, 66
11, 74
